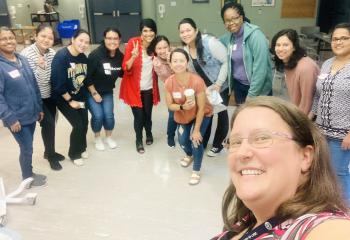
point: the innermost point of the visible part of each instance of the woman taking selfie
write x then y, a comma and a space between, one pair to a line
282, 183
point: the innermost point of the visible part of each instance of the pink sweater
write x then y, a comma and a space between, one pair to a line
161, 68
301, 83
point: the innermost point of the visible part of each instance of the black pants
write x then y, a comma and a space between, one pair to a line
78, 119
48, 125
143, 116
221, 127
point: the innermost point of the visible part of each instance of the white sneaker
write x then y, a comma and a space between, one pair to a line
85, 155
78, 162
99, 144
110, 142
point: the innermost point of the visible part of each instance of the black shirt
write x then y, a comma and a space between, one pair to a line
103, 70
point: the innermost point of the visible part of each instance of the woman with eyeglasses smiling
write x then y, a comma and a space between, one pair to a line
282, 183
332, 103
249, 63
103, 69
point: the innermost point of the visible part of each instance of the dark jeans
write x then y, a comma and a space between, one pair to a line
24, 139
241, 91
143, 116
48, 125
78, 119
222, 126
172, 125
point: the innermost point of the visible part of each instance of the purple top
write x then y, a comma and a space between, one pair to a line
237, 60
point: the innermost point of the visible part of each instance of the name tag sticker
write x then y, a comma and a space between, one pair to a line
14, 74
323, 76
72, 65
176, 95
234, 48
107, 66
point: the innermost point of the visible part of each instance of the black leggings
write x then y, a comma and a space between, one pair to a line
78, 119
143, 115
48, 126
222, 126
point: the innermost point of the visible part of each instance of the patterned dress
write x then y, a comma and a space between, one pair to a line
296, 229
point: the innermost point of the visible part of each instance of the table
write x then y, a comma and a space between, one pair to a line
25, 34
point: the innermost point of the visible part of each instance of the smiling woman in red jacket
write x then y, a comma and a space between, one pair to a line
139, 87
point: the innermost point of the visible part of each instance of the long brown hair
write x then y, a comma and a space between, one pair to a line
320, 192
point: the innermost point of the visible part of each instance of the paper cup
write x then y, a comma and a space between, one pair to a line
189, 94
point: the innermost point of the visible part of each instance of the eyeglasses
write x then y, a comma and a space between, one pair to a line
7, 39
232, 20
341, 39
112, 38
256, 139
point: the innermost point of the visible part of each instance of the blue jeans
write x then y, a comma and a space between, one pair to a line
172, 125
340, 161
184, 134
24, 139
102, 113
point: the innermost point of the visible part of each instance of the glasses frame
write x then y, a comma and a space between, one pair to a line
233, 20
287, 136
341, 39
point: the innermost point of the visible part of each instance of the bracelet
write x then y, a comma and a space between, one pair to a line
181, 108
71, 99
94, 93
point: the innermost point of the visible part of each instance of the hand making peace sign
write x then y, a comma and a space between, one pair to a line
135, 50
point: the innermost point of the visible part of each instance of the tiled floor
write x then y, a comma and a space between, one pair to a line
118, 194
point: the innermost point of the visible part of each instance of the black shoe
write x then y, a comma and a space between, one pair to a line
55, 165
171, 142
139, 147
54, 157
149, 140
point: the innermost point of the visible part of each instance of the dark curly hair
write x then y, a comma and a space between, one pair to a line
298, 53
236, 6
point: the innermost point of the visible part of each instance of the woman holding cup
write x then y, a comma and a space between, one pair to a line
185, 95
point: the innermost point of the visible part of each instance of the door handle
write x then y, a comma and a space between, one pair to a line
113, 13
98, 14
3, 14
118, 13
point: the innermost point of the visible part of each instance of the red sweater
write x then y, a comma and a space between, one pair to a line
130, 84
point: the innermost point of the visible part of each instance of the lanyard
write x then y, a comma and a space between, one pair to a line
262, 228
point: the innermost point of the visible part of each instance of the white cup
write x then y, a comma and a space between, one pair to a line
189, 94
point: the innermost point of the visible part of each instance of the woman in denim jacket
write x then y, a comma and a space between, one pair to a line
208, 58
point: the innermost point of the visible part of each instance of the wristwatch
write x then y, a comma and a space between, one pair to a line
181, 108
94, 93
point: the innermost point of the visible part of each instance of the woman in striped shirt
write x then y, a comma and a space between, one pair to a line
40, 55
